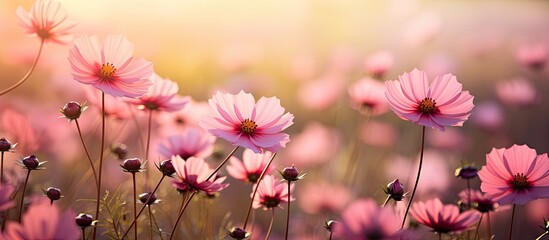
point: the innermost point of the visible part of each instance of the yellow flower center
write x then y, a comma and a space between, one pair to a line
248, 126
107, 71
427, 105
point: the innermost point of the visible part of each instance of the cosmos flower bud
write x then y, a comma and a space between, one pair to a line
329, 225
53, 194
72, 110
132, 165
83, 220
238, 233
166, 167
31, 163
5, 145
466, 172
143, 197
395, 189
119, 150
291, 174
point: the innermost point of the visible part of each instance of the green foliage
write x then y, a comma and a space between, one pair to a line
113, 210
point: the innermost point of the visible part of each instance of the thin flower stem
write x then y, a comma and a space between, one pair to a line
489, 225
386, 201
87, 153
512, 218
469, 204
100, 160
417, 178
83, 233
288, 215
2, 169
156, 225
147, 146
542, 235
440, 236
28, 73
143, 208
478, 227
331, 233
134, 205
181, 214
255, 190
270, 225
221, 164
150, 222
23, 196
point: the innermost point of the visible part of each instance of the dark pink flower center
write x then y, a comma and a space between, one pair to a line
427, 105
43, 33
151, 105
271, 202
107, 71
253, 177
248, 126
520, 182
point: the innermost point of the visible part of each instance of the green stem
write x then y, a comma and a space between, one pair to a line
221, 164
270, 225
288, 214
100, 160
149, 127
181, 214
87, 153
23, 196
28, 73
417, 178
512, 218
478, 227
386, 201
83, 233
255, 190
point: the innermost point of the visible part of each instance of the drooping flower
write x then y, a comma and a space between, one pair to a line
251, 166
191, 175
517, 92
364, 219
243, 122
162, 96
367, 96
42, 221
440, 104
47, 20
110, 67
272, 193
192, 142
443, 218
515, 175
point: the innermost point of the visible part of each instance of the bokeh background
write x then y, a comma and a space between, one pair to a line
307, 53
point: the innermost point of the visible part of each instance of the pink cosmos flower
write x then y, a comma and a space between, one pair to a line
323, 92
110, 67
192, 142
438, 105
515, 175
378, 134
271, 193
315, 145
6, 192
517, 92
162, 96
443, 218
18, 129
488, 115
191, 175
378, 63
368, 95
116, 108
44, 221
251, 166
189, 116
533, 56
323, 197
364, 219
243, 122
47, 20
480, 201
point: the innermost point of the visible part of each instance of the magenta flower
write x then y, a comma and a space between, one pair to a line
42, 221
191, 175
515, 175
243, 122
47, 20
364, 219
110, 67
438, 105
251, 166
192, 142
367, 95
271, 193
162, 96
443, 218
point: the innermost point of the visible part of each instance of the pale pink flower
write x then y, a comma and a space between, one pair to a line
191, 142
18, 129
115, 107
379, 63
533, 56
421, 29
323, 197
364, 219
488, 116
443, 218
110, 67
315, 145
162, 96
191, 175
47, 20
517, 92
272, 193
367, 95
251, 166
378, 134
451, 139
321, 93
438, 105
6, 194
515, 175
189, 116
44, 221
243, 122
482, 202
